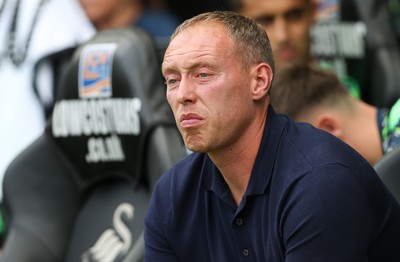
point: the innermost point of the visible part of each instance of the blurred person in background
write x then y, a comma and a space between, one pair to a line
310, 93
289, 24
154, 17
36, 37
355, 39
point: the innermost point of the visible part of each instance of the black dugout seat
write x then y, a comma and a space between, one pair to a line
362, 46
379, 71
80, 191
388, 169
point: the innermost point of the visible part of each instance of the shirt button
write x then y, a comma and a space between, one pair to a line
239, 221
245, 252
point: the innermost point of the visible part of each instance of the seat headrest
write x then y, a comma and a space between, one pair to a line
111, 95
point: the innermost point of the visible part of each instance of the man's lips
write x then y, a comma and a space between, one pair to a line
190, 120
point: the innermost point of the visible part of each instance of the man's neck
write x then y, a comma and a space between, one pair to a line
236, 163
372, 127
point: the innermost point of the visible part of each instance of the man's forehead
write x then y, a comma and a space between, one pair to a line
195, 46
199, 36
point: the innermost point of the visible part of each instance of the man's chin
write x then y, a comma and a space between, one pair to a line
196, 149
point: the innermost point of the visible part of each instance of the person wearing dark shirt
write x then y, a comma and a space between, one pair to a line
389, 127
258, 186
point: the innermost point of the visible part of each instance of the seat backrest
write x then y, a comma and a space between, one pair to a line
380, 78
80, 191
362, 44
388, 169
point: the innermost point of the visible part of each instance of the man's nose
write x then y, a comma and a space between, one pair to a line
186, 91
280, 31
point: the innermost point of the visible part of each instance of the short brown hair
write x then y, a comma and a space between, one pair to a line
250, 39
299, 88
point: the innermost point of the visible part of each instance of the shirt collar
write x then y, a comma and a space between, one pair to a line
265, 161
263, 166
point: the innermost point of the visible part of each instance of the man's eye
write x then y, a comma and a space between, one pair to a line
264, 20
171, 81
295, 15
203, 75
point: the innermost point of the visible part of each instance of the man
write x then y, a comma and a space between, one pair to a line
258, 186
309, 93
289, 23
158, 22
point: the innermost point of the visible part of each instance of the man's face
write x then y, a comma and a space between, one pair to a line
287, 23
207, 88
100, 11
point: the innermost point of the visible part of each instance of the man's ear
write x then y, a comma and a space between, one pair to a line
262, 80
329, 123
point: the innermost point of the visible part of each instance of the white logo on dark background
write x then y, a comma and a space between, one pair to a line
114, 242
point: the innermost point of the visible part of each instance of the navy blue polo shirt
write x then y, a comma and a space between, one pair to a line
310, 198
